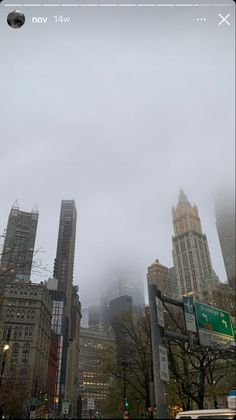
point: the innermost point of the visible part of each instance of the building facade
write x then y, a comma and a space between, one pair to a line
221, 295
52, 369
158, 274
26, 320
191, 254
64, 261
173, 282
66, 310
18, 248
225, 223
93, 384
60, 327
72, 377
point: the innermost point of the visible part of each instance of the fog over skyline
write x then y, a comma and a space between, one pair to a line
117, 111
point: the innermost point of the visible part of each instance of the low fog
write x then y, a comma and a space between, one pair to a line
117, 111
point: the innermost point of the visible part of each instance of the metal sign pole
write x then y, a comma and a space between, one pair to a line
156, 342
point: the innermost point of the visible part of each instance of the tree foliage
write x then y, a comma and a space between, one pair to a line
197, 372
199, 376
15, 392
134, 382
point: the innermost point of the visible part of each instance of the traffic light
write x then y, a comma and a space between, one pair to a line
126, 403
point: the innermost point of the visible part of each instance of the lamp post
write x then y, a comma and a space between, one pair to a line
5, 348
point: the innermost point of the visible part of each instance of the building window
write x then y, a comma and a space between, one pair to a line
26, 333
182, 246
30, 333
20, 333
15, 333
25, 353
5, 332
15, 351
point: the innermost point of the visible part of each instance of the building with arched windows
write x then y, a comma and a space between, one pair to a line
25, 323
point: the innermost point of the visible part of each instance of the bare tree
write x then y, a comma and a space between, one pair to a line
9, 264
15, 391
196, 369
138, 374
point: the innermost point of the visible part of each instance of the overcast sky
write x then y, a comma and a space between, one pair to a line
117, 110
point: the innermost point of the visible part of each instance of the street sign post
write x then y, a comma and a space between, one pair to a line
189, 314
214, 325
160, 312
164, 369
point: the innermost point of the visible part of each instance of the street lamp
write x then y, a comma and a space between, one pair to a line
5, 348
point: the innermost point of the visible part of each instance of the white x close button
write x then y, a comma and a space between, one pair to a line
224, 19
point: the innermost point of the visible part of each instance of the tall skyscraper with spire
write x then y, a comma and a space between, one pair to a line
18, 248
190, 249
225, 224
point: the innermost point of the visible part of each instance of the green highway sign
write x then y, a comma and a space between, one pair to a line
214, 325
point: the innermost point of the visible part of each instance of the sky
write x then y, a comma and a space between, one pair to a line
117, 109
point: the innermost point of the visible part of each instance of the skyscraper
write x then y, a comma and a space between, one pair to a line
121, 281
173, 282
158, 274
225, 223
18, 248
190, 248
64, 261
63, 320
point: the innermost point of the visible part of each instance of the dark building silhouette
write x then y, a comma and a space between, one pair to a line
94, 316
119, 309
64, 261
18, 248
225, 223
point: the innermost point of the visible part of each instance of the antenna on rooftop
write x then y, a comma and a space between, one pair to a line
35, 209
15, 205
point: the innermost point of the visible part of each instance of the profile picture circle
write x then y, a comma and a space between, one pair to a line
16, 19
